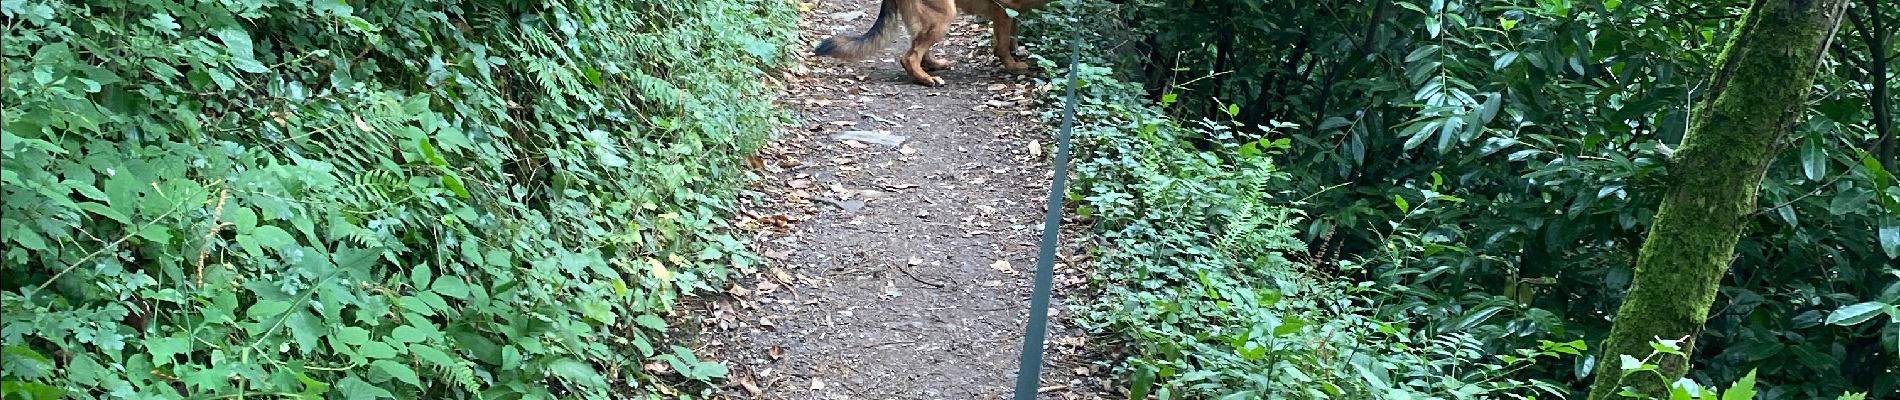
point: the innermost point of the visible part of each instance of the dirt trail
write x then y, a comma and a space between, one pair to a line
896, 272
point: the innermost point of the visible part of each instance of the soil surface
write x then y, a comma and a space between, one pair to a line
900, 223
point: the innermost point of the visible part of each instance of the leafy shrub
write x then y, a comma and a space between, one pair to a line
1548, 122
356, 200
1195, 277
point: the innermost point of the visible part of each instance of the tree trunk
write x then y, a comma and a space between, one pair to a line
1759, 92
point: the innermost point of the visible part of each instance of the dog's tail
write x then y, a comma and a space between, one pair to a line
857, 47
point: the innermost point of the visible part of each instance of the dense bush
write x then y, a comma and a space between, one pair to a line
1195, 276
1493, 164
370, 199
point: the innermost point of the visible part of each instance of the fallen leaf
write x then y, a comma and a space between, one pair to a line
738, 291
779, 274
362, 125
750, 387
776, 352
657, 367
1003, 265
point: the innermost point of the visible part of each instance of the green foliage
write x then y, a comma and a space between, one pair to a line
1542, 126
1195, 276
1686, 389
404, 199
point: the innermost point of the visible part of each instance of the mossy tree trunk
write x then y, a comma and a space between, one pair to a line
1760, 90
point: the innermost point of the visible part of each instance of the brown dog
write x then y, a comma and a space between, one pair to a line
928, 21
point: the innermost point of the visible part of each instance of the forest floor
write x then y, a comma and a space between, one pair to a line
896, 269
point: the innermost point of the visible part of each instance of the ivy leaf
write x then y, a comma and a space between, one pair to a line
399, 371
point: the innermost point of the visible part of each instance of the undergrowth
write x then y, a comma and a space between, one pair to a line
346, 199
1202, 276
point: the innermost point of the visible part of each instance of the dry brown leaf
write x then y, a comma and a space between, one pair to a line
776, 352
750, 387
766, 287
657, 367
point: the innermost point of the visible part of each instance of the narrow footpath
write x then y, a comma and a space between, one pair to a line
900, 225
